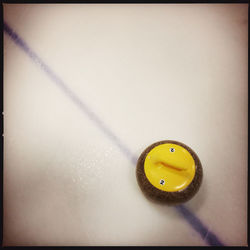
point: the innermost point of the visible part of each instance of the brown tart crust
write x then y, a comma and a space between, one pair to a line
170, 198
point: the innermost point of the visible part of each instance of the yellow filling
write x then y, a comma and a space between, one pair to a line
169, 167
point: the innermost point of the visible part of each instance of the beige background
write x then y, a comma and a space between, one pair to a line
150, 72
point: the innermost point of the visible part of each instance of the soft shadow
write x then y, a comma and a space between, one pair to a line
197, 202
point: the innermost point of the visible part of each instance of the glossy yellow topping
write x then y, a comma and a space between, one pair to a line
169, 167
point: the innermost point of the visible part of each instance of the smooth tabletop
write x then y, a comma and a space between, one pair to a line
87, 87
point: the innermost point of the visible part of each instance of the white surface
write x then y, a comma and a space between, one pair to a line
150, 72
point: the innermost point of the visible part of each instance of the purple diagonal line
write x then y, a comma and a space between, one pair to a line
193, 221
198, 226
68, 92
